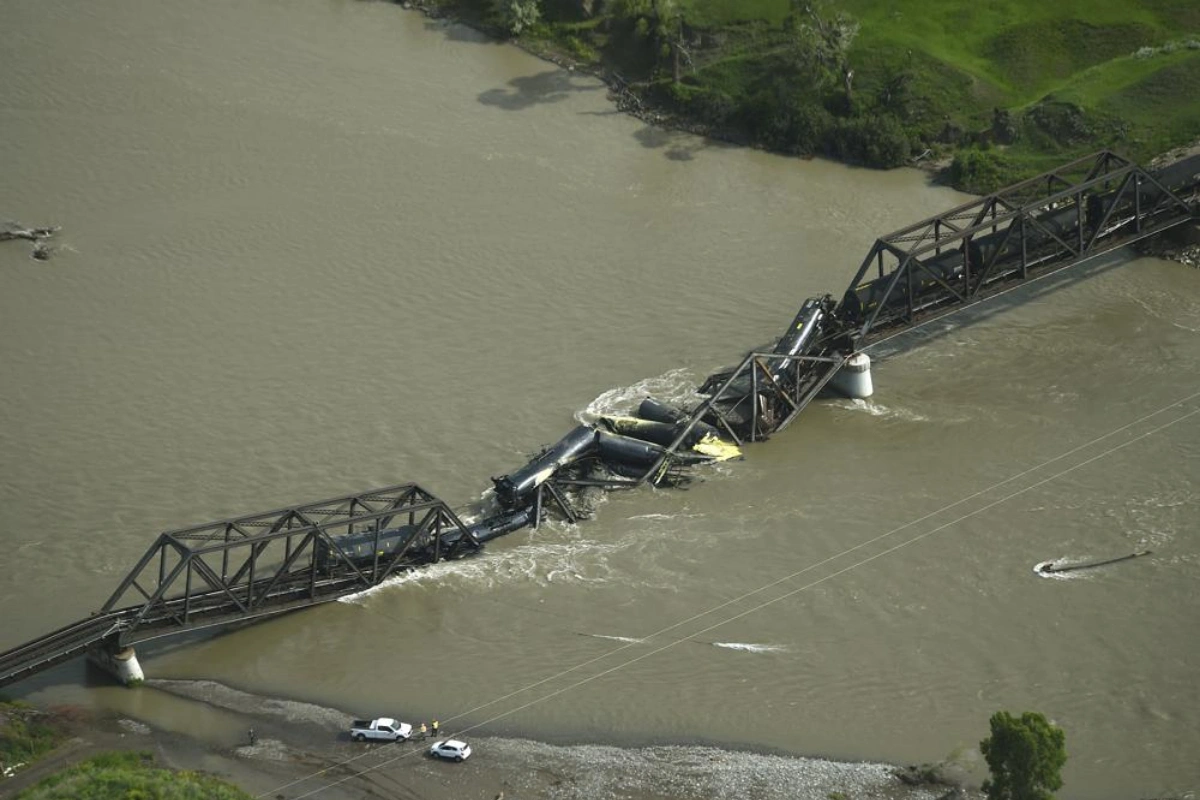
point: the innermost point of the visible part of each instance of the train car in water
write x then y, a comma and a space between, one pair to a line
363, 548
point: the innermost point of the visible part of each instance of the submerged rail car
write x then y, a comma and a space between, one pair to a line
364, 548
256, 565
758, 396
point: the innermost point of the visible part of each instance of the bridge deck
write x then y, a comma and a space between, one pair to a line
286, 559
1040, 226
255, 566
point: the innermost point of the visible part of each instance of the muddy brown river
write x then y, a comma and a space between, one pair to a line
316, 247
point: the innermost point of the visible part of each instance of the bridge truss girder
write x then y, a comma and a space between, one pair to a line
280, 560
764, 393
757, 398
1082, 209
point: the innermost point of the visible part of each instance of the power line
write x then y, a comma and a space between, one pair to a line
786, 595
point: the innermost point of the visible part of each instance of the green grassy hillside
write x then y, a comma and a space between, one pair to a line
1077, 75
1009, 86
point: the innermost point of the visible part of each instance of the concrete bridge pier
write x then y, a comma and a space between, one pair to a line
854, 378
120, 662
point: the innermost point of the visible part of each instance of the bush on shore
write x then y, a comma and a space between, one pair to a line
866, 82
26, 734
129, 776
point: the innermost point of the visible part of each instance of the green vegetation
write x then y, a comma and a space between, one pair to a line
1025, 756
26, 734
129, 776
1006, 90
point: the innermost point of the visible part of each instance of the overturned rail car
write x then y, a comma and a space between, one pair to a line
363, 548
276, 561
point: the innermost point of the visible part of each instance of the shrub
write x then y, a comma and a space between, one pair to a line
25, 734
710, 106
875, 141
130, 776
518, 15
783, 120
977, 171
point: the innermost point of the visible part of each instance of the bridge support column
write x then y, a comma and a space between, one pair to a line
854, 378
120, 662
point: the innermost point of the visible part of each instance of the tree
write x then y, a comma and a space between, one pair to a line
823, 38
517, 15
660, 24
1025, 757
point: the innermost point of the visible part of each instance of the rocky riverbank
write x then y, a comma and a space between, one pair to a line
1170, 248
302, 750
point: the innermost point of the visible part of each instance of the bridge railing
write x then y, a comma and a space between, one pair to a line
274, 561
56, 646
1081, 209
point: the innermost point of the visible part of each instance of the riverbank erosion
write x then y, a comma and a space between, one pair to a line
985, 99
300, 750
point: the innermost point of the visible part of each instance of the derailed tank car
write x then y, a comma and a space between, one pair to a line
365, 548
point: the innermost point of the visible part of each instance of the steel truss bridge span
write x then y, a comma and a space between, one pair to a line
277, 561
1082, 209
259, 565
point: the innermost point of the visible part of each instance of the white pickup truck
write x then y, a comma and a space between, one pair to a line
385, 728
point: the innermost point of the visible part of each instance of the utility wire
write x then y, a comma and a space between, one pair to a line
772, 584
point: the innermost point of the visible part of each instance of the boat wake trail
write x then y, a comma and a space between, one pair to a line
627, 639
1058, 568
750, 648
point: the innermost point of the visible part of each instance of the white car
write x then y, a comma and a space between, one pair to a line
451, 749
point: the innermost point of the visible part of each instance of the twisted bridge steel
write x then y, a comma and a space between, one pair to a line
277, 561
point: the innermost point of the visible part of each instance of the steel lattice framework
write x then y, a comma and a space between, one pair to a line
756, 398
276, 561
1082, 209
290, 558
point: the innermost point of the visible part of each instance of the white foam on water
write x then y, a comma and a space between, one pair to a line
1058, 563
665, 516
542, 563
675, 387
558, 553
751, 648
627, 639
878, 409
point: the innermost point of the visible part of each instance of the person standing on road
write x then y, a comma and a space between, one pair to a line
435, 728
424, 732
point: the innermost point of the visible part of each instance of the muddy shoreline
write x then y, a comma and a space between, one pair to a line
302, 750
620, 92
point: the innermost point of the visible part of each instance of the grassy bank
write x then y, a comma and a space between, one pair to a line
1006, 90
115, 776
26, 734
